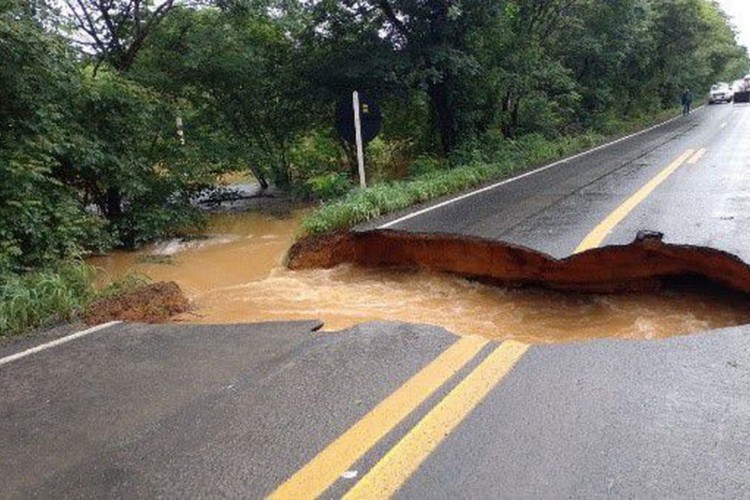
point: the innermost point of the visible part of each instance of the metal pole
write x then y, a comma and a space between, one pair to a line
180, 131
358, 136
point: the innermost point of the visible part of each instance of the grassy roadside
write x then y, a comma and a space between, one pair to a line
503, 161
45, 297
38, 298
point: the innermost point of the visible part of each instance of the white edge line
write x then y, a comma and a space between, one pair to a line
527, 174
57, 342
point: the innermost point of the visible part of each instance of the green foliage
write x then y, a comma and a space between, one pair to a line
70, 142
317, 167
123, 155
509, 157
237, 66
47, 296
41, 219
35, 299
388, 159
425, 164
328, 186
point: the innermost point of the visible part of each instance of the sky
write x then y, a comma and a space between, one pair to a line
739, 11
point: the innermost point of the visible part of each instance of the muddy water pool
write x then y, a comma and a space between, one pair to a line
237, 275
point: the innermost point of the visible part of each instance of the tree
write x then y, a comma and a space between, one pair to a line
429, 45
238, 68
116, 30
122, 138
41, 219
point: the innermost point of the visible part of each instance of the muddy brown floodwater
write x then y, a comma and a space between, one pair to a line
237, 275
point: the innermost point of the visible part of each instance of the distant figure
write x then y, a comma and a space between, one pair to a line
687, 100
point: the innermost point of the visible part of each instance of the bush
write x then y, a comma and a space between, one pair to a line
317, 166
328, 186
387, 159
41, 221
123, 155
44, 297
425, 165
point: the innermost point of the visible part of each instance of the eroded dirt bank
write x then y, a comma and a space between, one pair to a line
641, 265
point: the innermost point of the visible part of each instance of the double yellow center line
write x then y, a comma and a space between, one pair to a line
328, 466
398, 464
392, 471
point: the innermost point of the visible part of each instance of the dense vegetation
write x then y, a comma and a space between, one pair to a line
115, 113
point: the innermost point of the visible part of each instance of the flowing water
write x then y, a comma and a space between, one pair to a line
236, 275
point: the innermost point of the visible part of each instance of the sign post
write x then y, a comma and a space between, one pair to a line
180, 130
358, 138
358, 120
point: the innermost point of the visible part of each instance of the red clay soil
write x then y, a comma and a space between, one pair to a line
153, 303
643, 264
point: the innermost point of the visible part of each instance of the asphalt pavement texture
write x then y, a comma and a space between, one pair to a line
175, 411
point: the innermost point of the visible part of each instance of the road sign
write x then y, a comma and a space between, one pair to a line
370, 118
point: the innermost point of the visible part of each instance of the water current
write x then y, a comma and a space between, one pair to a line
237, 275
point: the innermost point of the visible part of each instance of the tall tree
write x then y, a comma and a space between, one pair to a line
41, 219
430, 43
116, 30
239, 66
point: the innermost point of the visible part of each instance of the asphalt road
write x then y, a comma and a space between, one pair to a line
248, 411
552, 211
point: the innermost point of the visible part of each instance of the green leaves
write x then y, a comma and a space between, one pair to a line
43, 297
40, 218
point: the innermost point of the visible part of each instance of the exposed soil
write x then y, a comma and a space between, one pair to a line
642, 265
152, 303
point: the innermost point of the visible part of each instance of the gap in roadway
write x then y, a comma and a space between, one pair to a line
236, 276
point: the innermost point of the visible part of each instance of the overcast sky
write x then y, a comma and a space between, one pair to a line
739, 11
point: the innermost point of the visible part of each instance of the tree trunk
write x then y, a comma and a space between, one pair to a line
511, 115
113, 203
444, 113
508, 131
514, 116
259, 177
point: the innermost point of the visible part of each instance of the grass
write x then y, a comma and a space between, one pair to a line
42, 297
366, 204
506, 159
45, 297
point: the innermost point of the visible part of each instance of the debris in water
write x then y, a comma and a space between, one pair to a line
153, 303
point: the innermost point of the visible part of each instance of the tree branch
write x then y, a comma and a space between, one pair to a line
85, 22
389, 13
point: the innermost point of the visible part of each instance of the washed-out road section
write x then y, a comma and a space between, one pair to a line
242, 410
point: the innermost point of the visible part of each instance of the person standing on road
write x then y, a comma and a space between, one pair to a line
687, 100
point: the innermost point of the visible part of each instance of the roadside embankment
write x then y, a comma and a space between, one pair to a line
500, 161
